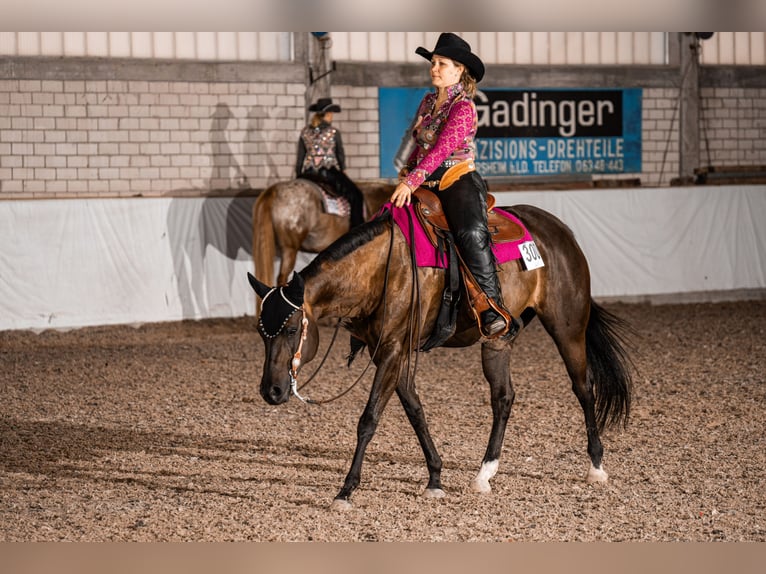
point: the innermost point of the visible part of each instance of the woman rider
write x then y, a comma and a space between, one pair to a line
321, 157
444, 137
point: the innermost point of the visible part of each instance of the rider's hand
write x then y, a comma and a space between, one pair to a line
402, 195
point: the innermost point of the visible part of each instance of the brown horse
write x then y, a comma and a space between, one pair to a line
289, 217
366, 279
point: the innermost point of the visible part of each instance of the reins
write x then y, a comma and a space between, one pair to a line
414, 297
327, 354
295, 363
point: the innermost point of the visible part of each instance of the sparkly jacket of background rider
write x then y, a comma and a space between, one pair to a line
320, 147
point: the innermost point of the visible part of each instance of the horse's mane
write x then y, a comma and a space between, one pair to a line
349, 242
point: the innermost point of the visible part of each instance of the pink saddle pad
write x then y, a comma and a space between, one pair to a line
426, 255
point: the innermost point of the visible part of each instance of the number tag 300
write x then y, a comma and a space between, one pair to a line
530, 255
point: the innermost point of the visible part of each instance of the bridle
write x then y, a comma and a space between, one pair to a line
295, 362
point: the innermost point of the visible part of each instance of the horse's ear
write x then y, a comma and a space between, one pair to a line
294, 289
260, 288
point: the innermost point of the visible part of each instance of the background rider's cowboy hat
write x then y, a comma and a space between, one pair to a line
323, 105
455, 48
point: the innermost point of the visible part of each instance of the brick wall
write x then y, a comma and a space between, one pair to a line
219, 134
358, 123
733, 126
659, 134
732, 130
62, 138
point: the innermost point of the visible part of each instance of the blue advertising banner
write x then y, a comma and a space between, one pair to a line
531, 132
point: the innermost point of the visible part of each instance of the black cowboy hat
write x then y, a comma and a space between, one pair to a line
323, 105
455, 48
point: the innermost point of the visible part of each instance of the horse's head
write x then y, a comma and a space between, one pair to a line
290, 337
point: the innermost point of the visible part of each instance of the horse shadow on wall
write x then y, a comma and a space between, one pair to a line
197, 225
222, 221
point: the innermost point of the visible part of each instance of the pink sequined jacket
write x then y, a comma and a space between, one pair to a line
444, 137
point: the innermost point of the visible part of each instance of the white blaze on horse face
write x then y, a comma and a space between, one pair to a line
486, 472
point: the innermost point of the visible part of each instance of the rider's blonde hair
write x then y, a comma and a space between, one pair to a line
469, 83
317, 119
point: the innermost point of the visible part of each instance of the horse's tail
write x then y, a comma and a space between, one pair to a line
264, 244
609, 366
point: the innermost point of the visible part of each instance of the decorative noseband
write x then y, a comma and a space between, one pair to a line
295, 363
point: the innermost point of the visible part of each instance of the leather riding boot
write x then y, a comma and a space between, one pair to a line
465, 205
474, 247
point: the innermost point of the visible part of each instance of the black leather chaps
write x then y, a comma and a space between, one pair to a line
465, 206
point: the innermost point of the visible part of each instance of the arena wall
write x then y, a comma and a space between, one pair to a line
82, 127
80, 262
126, 184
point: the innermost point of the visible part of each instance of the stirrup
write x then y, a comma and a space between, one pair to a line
498, 326
513, 329
492, 326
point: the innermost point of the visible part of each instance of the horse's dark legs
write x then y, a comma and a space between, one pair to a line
382, 388
572, 350
574, 358
414, 409
496, 364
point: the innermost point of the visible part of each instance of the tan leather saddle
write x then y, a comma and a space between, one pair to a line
429, 210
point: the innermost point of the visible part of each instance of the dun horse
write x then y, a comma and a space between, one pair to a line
366, 279
289, 216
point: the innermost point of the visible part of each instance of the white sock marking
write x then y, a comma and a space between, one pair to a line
596, 475
486, 472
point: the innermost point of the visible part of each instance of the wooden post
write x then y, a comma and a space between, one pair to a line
689, 122
318, 84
